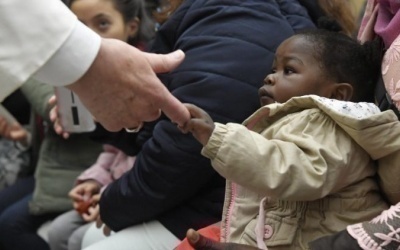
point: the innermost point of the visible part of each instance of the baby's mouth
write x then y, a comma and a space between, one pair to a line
265, 97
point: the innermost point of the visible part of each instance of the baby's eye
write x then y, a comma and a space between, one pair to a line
273, 70
288, 70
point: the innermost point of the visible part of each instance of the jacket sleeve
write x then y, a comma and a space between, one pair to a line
229, 49
110, 165
100, 170
296, 159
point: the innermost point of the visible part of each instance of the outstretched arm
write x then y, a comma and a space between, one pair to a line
200, 124
116, 82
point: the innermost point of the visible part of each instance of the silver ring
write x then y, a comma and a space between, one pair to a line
134, 130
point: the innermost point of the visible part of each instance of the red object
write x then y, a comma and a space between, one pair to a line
83, 207
213, 232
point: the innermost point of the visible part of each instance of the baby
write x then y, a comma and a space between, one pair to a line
304, 165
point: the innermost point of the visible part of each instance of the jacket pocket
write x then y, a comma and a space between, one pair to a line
278, 230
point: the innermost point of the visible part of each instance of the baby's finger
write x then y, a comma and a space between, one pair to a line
106, 230
195, 112
91, 215
99, 222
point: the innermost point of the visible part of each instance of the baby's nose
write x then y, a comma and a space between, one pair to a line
269, 79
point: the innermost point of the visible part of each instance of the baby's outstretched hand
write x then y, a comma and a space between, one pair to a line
200, 124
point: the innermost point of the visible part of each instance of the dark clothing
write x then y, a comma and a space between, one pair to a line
229, 47
338, 241
18, 227
18, 106
10, 195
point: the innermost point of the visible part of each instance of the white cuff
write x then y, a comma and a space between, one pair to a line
73, 59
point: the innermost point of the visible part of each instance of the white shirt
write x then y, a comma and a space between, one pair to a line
43, 39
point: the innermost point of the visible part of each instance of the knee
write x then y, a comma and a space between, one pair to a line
56, 237
75, 240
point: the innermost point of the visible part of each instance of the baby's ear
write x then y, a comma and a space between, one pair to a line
342, 91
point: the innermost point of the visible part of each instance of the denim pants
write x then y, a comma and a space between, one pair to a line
18, 228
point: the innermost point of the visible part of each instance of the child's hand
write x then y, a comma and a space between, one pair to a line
94, 210
13, 132
100, 223
84, 192
56, 119
200, 124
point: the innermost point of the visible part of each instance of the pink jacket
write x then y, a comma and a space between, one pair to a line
110, 165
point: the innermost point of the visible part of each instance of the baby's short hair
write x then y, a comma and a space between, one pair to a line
345, 60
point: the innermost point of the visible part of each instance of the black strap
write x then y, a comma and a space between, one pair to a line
383, 99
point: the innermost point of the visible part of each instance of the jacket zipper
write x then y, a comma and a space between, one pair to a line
229, 211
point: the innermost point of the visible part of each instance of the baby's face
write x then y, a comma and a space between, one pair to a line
295, 72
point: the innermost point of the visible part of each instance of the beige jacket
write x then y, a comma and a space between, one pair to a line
313, 158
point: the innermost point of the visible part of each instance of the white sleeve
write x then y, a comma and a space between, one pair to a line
72, 60
35, 33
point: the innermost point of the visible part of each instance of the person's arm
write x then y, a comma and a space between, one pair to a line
31, 33
290, 160
169, 173
114, 80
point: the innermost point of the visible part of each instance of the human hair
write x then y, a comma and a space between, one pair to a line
131, 9
344, 60
163, 12
339, 13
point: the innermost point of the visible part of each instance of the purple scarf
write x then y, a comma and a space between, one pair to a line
387, 24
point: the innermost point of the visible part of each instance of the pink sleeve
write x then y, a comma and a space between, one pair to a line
122, 163
100, 171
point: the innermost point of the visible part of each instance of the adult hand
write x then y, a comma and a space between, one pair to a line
121, 88
199, 242
200, 124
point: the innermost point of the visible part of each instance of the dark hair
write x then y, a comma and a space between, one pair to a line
338, 12
131, 9
345, 60
165, 10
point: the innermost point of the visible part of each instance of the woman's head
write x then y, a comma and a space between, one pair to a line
126, 20
323, 63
